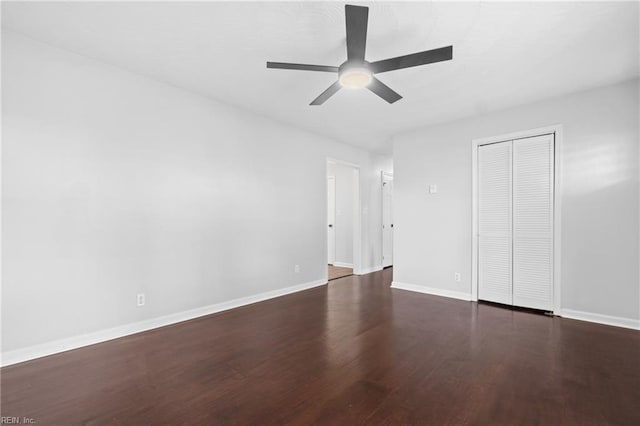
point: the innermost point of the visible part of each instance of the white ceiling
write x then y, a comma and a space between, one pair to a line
505, 54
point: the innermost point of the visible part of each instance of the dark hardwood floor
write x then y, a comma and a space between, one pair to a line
353, 352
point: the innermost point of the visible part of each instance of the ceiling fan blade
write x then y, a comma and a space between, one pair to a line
326, 94
303, 67
413, 60
356, 19
384, 91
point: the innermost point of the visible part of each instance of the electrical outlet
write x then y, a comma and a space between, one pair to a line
457, 276
141, 299
296, 269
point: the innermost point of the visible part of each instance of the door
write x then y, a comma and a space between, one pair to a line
331, 219
387, 220
533, 178
494, 223
515, 222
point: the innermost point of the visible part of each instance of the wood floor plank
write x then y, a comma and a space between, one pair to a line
353, 352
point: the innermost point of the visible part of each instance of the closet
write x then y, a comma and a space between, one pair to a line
515, 222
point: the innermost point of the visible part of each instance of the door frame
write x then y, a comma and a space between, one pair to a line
557, 131
357, 213
384, 174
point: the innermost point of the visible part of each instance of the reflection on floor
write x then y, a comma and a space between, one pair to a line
338, 272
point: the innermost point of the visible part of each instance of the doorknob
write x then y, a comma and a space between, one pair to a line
330, 226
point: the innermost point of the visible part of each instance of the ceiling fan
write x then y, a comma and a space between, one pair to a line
356, 72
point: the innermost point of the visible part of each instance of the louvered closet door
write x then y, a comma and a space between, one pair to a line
533, 222
494, 223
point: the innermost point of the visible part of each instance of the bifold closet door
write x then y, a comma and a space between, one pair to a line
533, 184
494, 223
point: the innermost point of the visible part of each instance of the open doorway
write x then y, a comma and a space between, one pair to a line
342, 219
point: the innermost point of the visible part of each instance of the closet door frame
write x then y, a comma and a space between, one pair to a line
556, 130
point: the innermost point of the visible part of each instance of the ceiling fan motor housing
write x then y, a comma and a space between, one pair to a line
355, 74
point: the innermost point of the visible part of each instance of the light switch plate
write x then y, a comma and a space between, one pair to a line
433, 188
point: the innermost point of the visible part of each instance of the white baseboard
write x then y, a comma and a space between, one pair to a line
343, 265
369, 270
601, 319
62, 345
430, 290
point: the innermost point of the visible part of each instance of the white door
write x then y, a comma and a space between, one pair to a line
331, 219
494, 223
533, 222
387, 220
515, 222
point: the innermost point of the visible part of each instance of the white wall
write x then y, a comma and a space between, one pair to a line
114, 184
599, 198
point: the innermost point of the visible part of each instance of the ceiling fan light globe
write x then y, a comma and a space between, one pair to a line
355, 78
